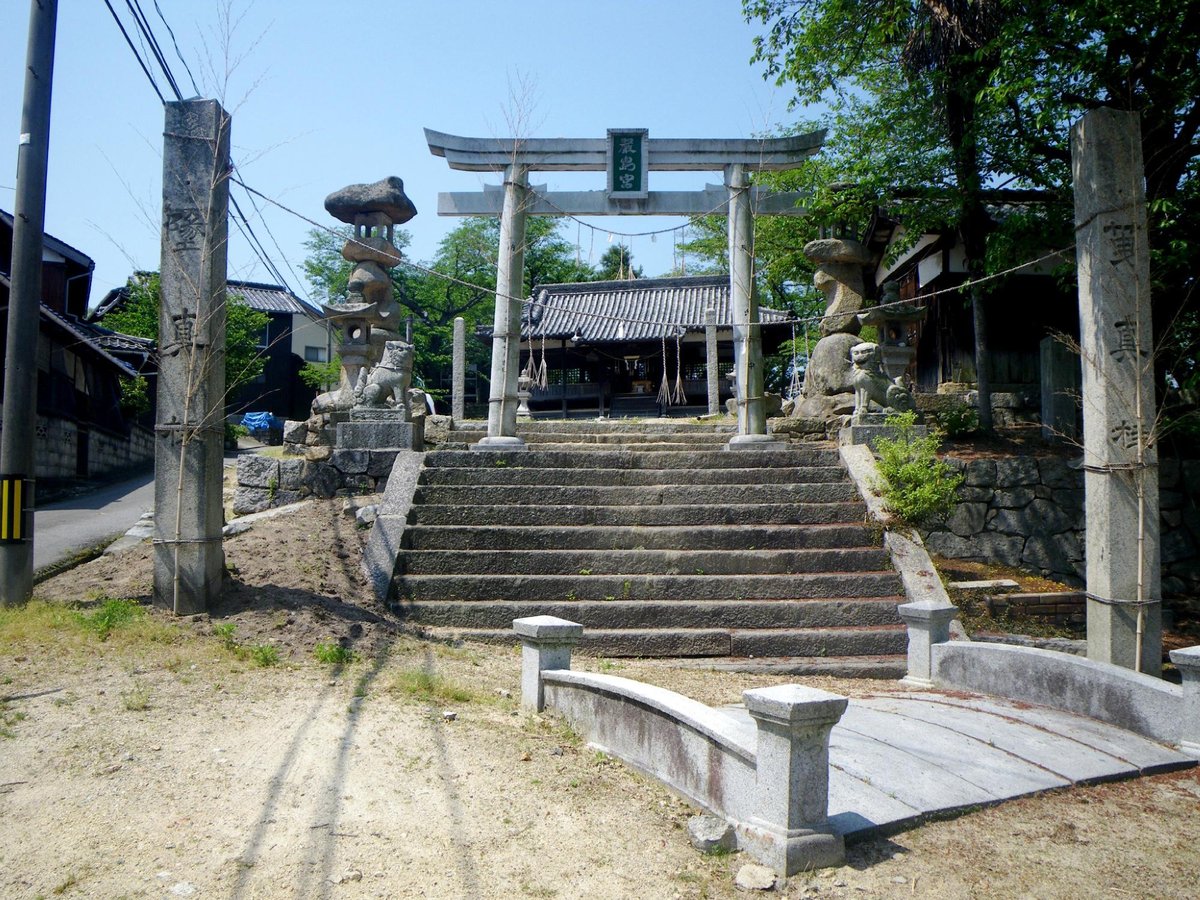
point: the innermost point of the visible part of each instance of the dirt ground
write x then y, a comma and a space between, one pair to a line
166, 761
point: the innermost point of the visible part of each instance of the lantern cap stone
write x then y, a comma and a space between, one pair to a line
385, 196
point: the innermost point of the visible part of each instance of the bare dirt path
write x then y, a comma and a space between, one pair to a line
164, 762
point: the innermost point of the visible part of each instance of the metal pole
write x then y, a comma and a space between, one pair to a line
25, 292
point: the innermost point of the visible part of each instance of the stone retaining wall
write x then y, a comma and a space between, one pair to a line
265, 482
1028, 512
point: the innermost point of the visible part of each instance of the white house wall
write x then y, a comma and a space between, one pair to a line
307, 333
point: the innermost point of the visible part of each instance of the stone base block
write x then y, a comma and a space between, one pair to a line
499, 442
377, 436
755, 442
869, 434
789, 852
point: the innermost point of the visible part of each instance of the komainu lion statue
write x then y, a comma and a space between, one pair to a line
389, 380
871, 384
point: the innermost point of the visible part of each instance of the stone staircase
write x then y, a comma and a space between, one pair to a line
658, 540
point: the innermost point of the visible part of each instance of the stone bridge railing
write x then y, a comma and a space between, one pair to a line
769, 781
1140, 703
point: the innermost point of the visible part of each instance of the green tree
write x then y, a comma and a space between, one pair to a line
244, 326
934, 103
616, 264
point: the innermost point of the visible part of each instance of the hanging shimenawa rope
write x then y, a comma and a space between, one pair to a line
664, 390
680, 396
541, 378
796, 386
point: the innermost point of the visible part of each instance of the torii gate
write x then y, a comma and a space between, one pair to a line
627, 155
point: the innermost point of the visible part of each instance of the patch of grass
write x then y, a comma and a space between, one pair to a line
263, 655
225, 633
112, 613
334, 654
137, 698
421, 684
9, 718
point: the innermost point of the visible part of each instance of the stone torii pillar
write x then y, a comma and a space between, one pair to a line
747, 333
1124, 607
506, 330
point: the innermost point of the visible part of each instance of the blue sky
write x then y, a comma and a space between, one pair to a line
326, 94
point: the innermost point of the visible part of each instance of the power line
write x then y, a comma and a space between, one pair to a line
271, 235
136, 54
139, 18
244, 226
171, 32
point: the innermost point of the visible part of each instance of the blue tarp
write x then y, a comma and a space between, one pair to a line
261, 421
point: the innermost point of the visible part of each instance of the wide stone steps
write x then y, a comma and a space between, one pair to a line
655, 536
634, 496
721, 642
683, 515
648, 537
659, 587
608, 458
639, 561
586, 477
715, 614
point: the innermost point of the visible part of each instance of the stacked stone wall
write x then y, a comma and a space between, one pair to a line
265, 482
1027, 512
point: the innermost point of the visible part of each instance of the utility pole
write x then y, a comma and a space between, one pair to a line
24, 299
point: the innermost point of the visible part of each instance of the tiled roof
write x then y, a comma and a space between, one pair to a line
638, 310
267, 297
83, 336
50, 242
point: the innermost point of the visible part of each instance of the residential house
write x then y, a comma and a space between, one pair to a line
296, 333
81, 429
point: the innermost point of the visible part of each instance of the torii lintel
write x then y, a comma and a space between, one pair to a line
590, 154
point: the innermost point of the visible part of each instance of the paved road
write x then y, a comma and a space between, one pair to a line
61, 528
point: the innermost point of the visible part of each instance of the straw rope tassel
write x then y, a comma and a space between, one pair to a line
680, 396
664, 390
541, 378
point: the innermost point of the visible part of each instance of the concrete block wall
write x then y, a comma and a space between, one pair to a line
110, 454
1027, 512
56, 449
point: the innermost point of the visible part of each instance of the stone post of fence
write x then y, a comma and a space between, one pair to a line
791, 830
928, 624
1187, 661
546, 643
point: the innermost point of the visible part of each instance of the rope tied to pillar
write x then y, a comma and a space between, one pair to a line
1114, 601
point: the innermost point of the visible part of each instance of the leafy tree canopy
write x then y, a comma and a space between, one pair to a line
243, 327
934, 103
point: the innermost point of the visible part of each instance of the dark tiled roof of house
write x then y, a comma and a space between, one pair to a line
638, 310
268, 298
81, 337
50, 242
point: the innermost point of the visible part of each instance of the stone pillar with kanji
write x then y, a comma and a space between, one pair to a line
1120, 458
189, 559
